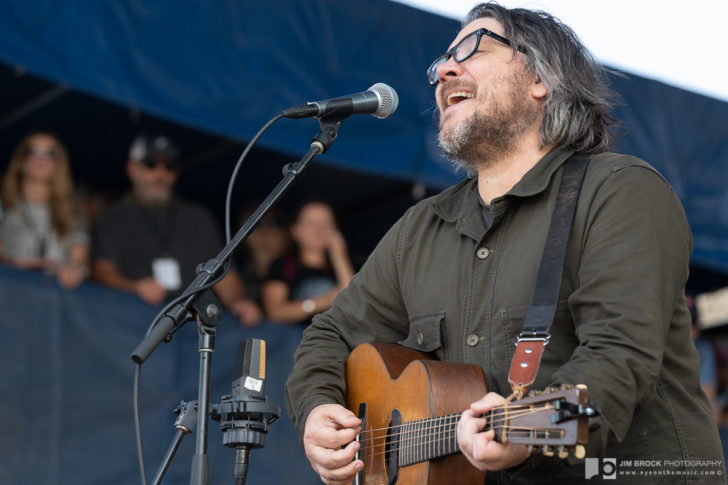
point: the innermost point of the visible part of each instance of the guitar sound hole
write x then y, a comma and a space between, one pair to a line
391, 447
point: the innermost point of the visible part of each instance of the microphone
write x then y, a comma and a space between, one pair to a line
379, 101
250, 369
245, 415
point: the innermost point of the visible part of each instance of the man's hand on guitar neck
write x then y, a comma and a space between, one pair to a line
329, 427
479, 446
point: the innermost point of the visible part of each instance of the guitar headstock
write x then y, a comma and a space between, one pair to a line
554, 421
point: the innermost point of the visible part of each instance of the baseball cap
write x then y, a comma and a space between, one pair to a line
149, 147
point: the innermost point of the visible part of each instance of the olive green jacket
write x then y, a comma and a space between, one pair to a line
621, 325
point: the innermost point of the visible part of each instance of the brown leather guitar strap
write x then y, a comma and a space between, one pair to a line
534, 336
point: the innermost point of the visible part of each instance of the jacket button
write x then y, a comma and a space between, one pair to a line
483, 252
420, 338
472, 340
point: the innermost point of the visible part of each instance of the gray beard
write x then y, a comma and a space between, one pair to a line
482, 139
152, 197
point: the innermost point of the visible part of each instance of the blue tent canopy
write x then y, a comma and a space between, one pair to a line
228, 66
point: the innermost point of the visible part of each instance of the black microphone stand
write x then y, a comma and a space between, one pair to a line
205, 306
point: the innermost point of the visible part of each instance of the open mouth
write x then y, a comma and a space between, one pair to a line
458, 96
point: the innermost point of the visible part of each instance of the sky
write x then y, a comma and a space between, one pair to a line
684, 44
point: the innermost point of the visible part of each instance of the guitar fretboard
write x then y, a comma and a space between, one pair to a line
428, 438
425, 439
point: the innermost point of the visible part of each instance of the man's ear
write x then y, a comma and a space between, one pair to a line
538, 88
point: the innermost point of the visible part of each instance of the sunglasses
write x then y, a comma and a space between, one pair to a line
36, 152
464, 49
150, 163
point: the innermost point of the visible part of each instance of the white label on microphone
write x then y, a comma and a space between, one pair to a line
253, 384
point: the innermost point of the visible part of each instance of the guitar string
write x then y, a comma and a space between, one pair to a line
410, 442
438, 431
494, 418
414, 427
423, 451
506, 414
417, 434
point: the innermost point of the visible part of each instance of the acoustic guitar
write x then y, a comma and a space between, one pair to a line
410, 404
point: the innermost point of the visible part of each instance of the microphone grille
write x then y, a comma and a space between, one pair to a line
388, 100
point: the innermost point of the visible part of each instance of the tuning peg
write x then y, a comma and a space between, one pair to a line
566, 387
547, 451
562, 453
581, 387
580, 451
530, 449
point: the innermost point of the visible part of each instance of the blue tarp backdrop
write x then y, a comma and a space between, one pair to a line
228, 66
66, 406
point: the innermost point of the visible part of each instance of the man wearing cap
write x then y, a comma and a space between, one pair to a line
151, 242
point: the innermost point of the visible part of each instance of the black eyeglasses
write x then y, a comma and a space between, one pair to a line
464, 49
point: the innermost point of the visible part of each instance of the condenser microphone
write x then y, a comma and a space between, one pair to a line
250, 368
379, 101
245, 415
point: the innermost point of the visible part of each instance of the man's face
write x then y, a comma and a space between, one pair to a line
485, 102
153, 181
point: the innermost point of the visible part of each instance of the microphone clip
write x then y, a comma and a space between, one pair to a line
245, 419
329, 131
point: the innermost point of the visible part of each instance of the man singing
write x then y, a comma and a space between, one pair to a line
518, 95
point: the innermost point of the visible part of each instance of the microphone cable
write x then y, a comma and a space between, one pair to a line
238, 166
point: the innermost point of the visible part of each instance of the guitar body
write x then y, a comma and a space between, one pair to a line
390, 379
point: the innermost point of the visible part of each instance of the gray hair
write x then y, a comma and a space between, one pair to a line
577, 112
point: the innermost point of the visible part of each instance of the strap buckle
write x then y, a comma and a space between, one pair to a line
534, 336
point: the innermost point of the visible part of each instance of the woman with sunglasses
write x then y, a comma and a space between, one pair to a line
41, 228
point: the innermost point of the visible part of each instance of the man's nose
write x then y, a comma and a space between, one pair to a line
449, 70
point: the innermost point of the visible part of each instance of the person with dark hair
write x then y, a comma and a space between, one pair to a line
151, 242
521, 101
42, 228
306, 281
268, 242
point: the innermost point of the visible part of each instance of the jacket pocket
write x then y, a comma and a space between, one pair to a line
425, 332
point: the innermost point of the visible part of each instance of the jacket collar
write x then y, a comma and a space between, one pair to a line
539, 177
461, 204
